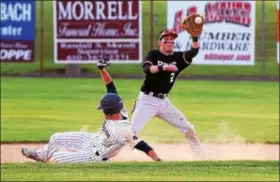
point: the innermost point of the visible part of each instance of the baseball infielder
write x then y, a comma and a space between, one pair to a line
81, 147
162, 67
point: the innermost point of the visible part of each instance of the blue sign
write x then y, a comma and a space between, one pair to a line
17, 19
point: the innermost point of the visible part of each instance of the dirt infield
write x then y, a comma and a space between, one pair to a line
169, 152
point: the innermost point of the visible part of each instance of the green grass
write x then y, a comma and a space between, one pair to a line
144, 171
271, 69
32, 109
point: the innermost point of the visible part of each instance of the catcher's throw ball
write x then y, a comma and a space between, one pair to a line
198, 20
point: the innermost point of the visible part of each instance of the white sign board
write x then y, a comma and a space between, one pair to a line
228, 36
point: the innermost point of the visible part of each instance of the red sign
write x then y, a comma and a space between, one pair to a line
86, 31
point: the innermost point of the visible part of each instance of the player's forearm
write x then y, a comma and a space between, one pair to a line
148, 68
152, 154
153, 68
195, 43
108, 81
105, 76
190, 54
144, 147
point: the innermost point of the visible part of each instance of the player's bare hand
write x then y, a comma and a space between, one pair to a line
170, 68
102, 63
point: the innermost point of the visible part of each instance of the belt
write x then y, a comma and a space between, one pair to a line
104, 159
158, 95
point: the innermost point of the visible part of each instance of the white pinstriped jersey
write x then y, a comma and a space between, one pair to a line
113, 136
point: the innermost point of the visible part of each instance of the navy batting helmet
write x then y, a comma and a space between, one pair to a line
110, 103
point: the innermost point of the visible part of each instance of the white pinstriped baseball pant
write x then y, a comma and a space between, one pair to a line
79, 145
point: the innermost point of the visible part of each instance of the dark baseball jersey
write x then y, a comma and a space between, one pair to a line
163, 81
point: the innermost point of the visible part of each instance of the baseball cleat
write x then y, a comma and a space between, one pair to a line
31, 154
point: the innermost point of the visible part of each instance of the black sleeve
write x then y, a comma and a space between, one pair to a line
146, 68
186, 58
143, 146
148, 61
111, 88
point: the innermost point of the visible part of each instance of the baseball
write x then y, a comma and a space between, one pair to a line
198, 20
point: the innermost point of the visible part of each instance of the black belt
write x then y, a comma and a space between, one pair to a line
158, 95
104, 159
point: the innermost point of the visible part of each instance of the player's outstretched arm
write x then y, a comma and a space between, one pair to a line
141, 145
193, 24
110, 86
106, 77
144, 147
190, 54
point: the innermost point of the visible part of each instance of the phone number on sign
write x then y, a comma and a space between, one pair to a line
227, 57
97, 57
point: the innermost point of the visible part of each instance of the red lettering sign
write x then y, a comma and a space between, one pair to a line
231, 12
97, 23
177, 21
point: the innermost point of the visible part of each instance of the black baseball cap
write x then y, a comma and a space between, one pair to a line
110, 103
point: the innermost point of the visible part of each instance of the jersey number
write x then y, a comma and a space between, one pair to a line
172, 77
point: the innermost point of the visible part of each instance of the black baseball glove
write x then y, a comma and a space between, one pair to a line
102, 63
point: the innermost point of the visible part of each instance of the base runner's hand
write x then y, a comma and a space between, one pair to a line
102, 63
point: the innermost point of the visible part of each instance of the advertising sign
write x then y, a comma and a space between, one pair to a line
228, 36
17, 30
86, 31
